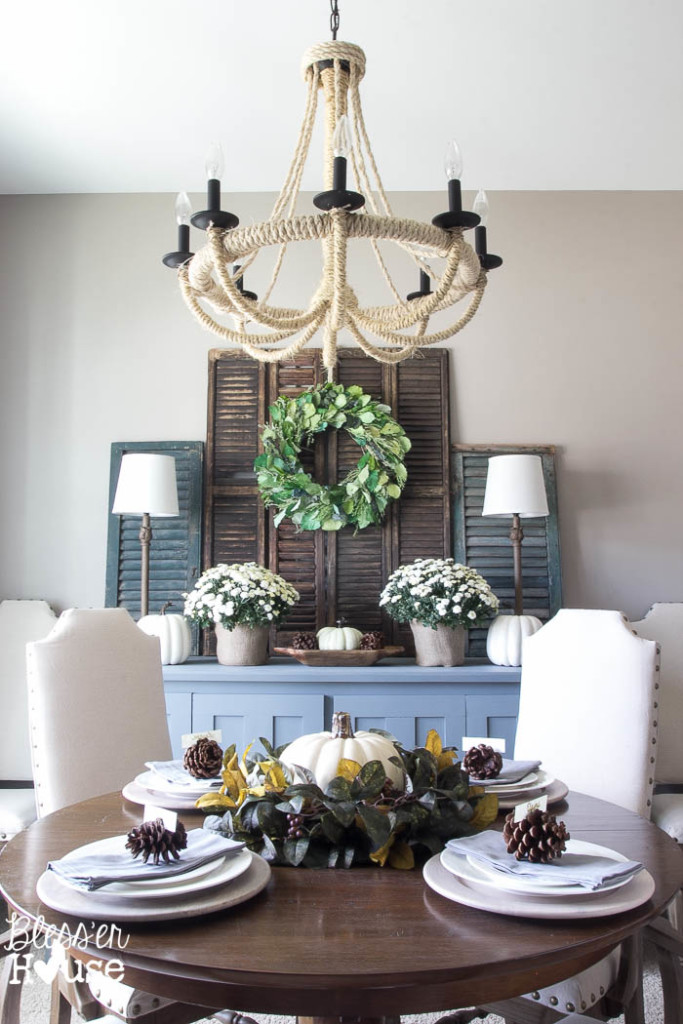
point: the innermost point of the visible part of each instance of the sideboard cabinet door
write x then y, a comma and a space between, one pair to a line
245, 717
179, 717
408, 718
493, 716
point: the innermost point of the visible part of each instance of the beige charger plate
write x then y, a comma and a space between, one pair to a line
500, 901
97, 906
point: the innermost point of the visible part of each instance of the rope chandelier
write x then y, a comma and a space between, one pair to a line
214, 276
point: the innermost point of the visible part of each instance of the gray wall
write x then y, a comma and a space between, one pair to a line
577, 343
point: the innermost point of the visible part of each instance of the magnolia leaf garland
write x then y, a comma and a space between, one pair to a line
359, 818
361, 498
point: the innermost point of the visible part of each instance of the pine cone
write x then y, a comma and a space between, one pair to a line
538, 838
372, 641
482, 762
203, 759
153, 839
304, 642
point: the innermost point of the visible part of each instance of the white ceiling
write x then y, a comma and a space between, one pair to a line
125, 95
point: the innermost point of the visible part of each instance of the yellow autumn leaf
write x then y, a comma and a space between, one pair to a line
348, 769
275, 777
401, 856
215, 801
232, 763
445, 759
243, 762
433, 743
486, 811
475, 791
380, 856
233, 783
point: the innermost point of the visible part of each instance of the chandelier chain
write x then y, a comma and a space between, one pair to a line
334, 18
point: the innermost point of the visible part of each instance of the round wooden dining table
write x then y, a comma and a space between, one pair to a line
364, 942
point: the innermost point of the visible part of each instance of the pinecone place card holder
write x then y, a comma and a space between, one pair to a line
159, 838
532, 834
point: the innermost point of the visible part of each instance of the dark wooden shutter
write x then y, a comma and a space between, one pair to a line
337, 574
484, 542
175, 551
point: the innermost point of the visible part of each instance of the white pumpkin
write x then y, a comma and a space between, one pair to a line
338, 638
321, 752
174, 635
505, 636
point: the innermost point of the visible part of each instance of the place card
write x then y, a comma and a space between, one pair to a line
191, 737
170, 818
494, 742
539, 804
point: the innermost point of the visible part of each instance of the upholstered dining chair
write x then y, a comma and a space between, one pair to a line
97, 713
588, 710
20, 623
664, 623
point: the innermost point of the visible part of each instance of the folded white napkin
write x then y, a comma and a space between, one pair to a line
173, 772
95, 870
512, 771
586, 870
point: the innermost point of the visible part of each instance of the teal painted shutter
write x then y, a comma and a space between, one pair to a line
175, 551
483, 542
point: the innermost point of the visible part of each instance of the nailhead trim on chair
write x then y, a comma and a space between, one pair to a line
655, 722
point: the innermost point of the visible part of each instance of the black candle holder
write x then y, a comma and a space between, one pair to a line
339, 197
214, 215
239, 284
487, 260
425, 287
455, 216
183, 254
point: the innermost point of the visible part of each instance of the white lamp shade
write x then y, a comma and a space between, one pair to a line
147, 484
514, 485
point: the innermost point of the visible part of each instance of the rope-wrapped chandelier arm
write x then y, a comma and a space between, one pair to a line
239, 338
401, 317
290, 320
392, 338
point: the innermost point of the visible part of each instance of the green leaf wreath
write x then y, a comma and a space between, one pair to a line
360, 818
361, 498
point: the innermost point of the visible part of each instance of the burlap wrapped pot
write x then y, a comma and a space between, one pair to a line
444, 645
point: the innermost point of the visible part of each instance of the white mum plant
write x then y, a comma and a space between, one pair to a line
241, 594
438, 592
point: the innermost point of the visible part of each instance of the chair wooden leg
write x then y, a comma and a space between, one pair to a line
675, 912
10, 994
60, 1008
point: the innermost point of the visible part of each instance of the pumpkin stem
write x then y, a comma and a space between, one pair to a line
341, 725
165, 606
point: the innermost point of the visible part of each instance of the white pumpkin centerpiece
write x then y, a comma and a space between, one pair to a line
173, 632
339, 638
321, 752
505, 636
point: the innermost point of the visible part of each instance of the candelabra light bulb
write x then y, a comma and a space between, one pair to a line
453, 161
215, 161
183, 208
341, 140
481, 207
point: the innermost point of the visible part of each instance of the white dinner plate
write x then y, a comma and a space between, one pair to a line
216, 872
497, 901
555, 790
493, 786
473, 870
138, 794
98, 906
158, 784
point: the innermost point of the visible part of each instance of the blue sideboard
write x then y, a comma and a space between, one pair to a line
283, 700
